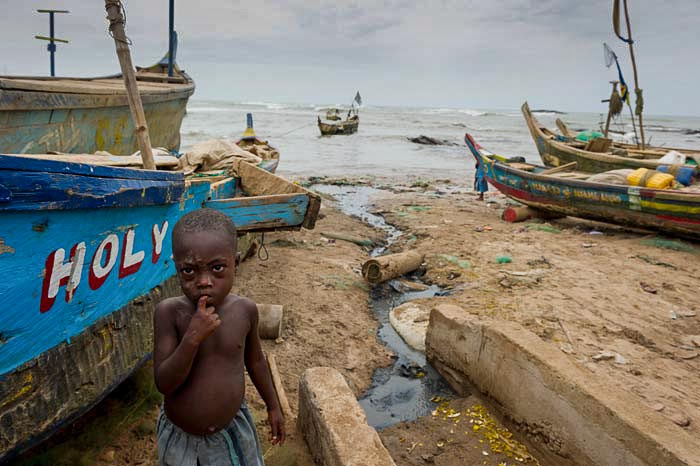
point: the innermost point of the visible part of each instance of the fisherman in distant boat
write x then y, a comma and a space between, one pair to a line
203, 342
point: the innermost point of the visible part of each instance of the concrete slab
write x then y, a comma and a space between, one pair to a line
333, 423
586, 420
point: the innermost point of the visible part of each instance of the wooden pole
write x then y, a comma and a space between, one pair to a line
634, 68
116, 27
279, 388
607, 121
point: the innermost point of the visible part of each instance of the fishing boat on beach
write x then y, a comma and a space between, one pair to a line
336, 125
600, 154
597, 153
249, 142
564, 192
39, 115
85, 249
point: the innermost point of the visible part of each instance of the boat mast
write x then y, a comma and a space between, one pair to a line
637, 91
116, 27
51, 47
171, 37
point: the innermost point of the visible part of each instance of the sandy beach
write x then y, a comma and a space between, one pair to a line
618, 303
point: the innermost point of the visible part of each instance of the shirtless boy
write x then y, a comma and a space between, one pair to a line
202, 341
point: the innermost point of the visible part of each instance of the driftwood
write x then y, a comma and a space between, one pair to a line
520, 214
270, 321
279, 388
380, 269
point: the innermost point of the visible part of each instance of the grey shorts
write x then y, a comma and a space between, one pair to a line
236, 445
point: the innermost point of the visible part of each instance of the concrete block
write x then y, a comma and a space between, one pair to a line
563, 407
333, 423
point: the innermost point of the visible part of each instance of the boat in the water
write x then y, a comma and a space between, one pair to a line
347, 126
558, 191
600, 154
40, 115
85, 250
335, 124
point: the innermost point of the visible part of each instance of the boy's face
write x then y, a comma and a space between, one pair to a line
205, 263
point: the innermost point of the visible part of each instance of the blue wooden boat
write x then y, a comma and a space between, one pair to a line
85, 252
668, 211
39, 115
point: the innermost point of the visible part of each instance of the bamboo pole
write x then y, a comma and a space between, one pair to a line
279, 388
634, 68
116, 27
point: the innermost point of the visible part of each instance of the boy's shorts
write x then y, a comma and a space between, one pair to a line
236, 445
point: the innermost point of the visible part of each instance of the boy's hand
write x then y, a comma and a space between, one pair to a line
276, 421
203, 323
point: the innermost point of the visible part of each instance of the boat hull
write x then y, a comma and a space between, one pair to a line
87, 253
666, 211
344, 127
87, 124
555, 152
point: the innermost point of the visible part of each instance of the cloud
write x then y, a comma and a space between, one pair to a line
443, 52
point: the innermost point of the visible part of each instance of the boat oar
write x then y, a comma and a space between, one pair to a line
116, 27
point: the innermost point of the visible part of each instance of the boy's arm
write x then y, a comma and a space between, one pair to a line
172, 359
259, 373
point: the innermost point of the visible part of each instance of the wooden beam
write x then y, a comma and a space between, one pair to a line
116, 26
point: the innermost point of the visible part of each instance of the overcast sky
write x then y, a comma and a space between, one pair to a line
491, 54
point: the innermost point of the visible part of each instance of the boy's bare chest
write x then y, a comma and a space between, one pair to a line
228, 339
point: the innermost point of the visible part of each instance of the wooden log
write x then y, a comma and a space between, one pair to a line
520, 214
270, 321
279, 388
116, 26
560, 168
348, 238
380, 269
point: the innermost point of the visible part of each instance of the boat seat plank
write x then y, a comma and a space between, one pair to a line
163, 161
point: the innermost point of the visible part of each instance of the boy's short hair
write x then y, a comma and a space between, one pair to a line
204, 220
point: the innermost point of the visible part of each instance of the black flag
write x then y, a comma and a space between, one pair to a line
358, 98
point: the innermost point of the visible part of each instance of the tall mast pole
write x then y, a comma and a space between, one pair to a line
116, 27
637, 90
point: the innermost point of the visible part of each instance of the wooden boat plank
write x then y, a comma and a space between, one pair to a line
261, 213
90, 87
163, 161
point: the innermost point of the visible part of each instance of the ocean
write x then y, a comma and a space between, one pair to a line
381, 147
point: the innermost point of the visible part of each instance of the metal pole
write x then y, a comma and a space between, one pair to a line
171, 37
52, 45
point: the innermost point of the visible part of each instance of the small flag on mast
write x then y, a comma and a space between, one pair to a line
358, 98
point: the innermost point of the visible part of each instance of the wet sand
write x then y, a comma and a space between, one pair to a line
613, 300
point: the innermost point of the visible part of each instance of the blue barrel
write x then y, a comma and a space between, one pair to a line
684, 175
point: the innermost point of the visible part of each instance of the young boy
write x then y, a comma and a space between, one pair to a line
202, 341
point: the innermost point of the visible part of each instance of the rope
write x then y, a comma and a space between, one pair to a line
295, 129
263, 248
639, 107
120, 19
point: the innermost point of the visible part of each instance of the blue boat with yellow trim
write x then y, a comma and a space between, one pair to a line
669, 211
85, 252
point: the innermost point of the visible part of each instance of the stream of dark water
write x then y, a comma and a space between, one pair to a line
402, 391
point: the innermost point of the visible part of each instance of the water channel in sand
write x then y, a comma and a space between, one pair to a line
402, 391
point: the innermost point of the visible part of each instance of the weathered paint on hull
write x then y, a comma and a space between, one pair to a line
661, 210
87, 130
556, 153
77, 308
338, 128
